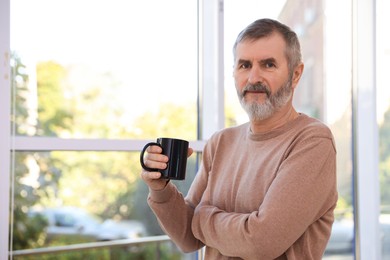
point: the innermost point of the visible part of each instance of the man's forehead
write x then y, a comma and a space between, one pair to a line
272, 46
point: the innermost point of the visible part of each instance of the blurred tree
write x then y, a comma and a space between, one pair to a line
342, 132
90, 97
20, 94
48, 178
54, 113
106, 176
29, 183
93, 100
73, 105
117, 192
170, 120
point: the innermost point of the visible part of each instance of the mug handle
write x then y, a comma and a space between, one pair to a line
141, 158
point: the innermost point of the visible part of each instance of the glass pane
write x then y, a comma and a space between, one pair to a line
63, 198
324, 30
383, 116
105, 69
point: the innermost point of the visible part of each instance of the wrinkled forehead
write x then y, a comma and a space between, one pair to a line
265, 47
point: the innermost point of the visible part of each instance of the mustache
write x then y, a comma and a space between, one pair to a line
259, 87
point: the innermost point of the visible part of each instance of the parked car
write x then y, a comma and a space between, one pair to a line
77, 224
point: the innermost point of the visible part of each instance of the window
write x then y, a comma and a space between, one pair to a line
93, 81
102, 69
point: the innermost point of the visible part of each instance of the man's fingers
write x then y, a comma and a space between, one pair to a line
150, 176
154, 149
155, 164
153, 180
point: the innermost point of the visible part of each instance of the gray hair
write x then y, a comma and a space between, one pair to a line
265, 27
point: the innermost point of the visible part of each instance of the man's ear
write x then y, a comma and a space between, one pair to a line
297, 73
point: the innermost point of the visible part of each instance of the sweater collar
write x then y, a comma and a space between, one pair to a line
277, 131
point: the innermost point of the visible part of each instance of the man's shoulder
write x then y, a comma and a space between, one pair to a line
310, 126
313, 123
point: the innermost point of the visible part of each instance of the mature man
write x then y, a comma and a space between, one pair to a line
266, 189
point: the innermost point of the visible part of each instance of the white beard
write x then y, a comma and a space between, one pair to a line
273, 103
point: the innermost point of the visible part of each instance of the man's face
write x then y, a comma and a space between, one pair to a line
262, 78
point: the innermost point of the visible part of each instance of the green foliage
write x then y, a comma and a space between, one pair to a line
27, 232
34, 177
20, 93
342, 131
169, 121
54, 113
106, 176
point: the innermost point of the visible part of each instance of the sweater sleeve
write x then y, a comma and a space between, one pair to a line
303, 191
174, 212
174, 216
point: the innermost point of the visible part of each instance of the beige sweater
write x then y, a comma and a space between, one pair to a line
257, 196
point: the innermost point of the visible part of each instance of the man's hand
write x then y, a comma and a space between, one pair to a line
154, 159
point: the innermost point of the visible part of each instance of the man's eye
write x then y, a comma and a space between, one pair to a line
245, 65
270, 65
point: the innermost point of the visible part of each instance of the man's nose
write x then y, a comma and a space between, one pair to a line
255, 75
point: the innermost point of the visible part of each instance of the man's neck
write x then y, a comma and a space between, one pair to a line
275, 121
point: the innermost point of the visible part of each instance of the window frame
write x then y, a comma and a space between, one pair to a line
5, 126
365, 132
210, 102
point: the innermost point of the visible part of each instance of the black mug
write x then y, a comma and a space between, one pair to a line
177, 151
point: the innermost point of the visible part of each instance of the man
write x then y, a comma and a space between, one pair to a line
266, 189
